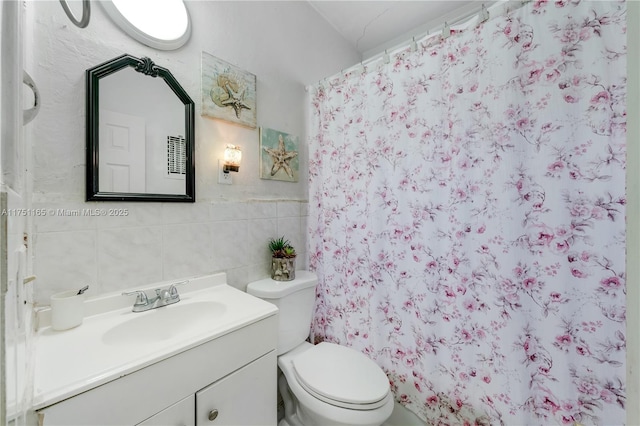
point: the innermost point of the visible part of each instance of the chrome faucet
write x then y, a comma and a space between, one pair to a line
164, 297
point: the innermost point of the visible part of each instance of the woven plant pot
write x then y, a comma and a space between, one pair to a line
283, 269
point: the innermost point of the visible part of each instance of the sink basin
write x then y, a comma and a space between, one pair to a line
165, 323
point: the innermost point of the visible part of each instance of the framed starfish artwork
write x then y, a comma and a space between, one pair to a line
228, 93
278, 155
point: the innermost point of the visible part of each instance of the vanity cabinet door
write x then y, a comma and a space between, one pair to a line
182, 413
244, 397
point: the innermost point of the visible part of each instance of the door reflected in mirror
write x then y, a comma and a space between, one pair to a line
142, 135
139, 133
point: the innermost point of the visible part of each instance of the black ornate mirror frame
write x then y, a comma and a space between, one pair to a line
147, 67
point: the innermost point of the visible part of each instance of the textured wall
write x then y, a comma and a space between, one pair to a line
286, 44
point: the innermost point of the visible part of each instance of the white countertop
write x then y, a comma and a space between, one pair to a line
73, 361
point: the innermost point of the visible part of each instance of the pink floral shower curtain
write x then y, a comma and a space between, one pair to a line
467, 218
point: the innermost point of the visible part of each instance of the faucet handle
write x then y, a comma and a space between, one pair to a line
141, 299
163, 294
173, 291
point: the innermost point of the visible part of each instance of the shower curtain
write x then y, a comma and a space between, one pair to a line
467, 218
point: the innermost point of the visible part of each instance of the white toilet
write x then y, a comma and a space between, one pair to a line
325, 384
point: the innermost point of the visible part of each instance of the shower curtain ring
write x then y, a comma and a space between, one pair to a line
386, 58
484, 14
446, 30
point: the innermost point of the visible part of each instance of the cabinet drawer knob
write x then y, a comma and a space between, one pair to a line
213, 414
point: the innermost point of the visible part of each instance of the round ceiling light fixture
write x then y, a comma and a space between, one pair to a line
161, 24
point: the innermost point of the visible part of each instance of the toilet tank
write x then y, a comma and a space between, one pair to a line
295, 300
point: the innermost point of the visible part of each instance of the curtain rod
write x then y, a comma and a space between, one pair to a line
475, 18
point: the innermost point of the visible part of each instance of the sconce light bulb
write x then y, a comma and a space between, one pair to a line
232, 158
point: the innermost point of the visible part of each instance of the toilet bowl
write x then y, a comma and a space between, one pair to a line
334, 385
323, 384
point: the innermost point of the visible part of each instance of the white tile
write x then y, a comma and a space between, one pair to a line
288, 209
262, 209
229, 210
302, 261
187, 250
64, 261
304, 208
289, 227
173, 213
237, 278
260, 232
129, 257
121, 215
304, 231
64, 216
230, 244
258, 271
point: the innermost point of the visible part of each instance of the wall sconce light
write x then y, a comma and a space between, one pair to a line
230, 163
232, 158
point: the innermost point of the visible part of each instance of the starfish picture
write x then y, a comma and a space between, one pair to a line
228, 92
281, 158
278, 155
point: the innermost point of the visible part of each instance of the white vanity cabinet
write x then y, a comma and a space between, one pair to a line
231, 379
179, 414
239, 399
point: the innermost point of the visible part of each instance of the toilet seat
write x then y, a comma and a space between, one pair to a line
341, 376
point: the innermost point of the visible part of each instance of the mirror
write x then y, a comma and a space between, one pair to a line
140, 133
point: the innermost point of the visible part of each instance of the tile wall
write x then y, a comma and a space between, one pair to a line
151, 242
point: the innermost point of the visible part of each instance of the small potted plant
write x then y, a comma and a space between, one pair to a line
283, 259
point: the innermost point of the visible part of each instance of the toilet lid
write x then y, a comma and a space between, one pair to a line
341, 376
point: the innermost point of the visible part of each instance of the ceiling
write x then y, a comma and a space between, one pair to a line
372, 26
